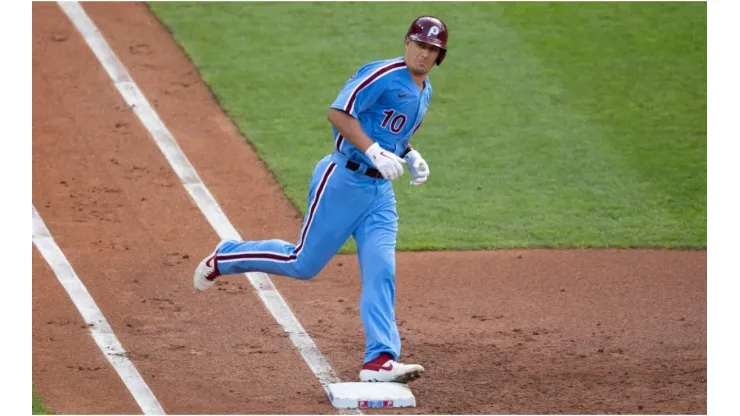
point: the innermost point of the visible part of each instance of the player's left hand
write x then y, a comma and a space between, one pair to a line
418, 168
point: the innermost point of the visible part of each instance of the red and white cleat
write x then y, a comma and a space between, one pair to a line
207, 271
384, 369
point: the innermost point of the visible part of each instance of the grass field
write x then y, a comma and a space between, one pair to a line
38, 408
552, 124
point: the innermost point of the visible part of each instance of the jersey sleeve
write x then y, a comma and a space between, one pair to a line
361, 91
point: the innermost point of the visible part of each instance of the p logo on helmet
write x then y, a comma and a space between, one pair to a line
432, 31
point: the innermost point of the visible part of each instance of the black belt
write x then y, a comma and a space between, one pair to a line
371, 172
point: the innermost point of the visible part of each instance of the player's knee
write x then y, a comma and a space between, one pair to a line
382, 274
306, 274
307, 271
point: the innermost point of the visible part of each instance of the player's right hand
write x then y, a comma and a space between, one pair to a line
389, 165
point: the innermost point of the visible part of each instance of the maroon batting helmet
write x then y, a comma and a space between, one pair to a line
432, 31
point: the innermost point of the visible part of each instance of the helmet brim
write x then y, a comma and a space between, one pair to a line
428, 40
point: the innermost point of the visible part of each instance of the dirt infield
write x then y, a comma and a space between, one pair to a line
516, 331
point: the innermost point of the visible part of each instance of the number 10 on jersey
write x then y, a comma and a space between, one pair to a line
395, 121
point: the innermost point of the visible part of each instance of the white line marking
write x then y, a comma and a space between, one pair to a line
101, 332
198, 191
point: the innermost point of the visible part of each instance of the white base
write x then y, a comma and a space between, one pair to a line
371, 395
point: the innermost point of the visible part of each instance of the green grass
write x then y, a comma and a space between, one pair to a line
38, 408
551, 125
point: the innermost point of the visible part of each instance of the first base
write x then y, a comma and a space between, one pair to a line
371, 395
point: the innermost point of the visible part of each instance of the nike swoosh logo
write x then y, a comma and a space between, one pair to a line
387, 367
402, 95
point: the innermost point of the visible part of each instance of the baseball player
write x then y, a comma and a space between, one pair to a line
350, 194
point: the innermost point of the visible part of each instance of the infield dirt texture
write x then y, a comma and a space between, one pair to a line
507, 330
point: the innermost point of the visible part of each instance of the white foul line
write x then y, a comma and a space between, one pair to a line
100, 330
198, 191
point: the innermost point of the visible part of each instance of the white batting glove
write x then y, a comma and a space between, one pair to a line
418, 167
386, 162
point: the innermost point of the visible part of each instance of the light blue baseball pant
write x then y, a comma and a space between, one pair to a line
341, 203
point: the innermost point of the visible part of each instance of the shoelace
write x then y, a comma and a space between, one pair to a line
212, 275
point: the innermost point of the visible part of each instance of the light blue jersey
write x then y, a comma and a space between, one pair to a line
387, 103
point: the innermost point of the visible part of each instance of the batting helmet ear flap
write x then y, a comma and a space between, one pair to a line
441, 56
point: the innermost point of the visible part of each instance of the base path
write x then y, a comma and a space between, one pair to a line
515, 331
